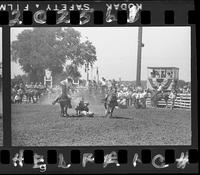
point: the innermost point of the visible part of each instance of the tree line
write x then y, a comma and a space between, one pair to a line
50, 48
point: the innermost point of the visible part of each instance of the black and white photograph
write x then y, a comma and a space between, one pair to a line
1, 104
100, 86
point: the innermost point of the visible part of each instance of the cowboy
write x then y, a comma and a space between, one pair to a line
159, 89
82, 106
83, 110
66, 86
111, 90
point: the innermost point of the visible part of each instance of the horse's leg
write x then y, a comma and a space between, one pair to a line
30, 99
107, 111
21, 97
26, 98
112, 109
166, 101
66, 111
172, 106
62, 111
34, 99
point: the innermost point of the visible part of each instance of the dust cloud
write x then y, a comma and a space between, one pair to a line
94, 98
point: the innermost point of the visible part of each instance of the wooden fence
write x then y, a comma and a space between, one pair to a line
182, 101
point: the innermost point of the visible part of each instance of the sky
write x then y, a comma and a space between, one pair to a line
116, 50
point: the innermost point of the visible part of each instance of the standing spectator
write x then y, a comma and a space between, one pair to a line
103, 85
26, 85
168, 76
31, 85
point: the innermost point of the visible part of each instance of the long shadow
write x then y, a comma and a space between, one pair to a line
78, 116
73, 116
115, 117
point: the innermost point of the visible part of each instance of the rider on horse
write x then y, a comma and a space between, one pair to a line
112, 91
66, 86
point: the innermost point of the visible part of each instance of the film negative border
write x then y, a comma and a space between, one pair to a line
97, 159
96, 13
169, 18
94, 159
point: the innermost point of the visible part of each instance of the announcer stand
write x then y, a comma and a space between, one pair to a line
46, 80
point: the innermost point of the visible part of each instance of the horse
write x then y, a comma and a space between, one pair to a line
65, 103
157, 96
110, 104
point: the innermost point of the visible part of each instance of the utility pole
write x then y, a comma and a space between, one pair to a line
139, 54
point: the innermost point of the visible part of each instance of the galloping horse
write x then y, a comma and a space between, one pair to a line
110, 103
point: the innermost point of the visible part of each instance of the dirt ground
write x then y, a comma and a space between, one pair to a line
41, 125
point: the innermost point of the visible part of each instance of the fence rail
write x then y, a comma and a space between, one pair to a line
182, 101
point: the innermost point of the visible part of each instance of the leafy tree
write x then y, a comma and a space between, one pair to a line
41, 48
181, 83
72, 71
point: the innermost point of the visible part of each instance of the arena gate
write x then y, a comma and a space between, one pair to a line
182, 101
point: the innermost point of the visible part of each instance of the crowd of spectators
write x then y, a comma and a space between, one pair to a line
126, 92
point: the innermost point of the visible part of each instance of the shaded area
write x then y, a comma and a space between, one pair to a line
40, 125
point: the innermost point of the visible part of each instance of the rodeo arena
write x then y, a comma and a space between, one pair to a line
99, 111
